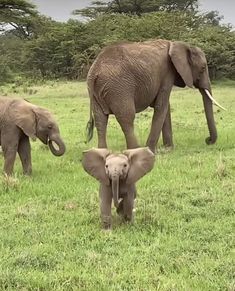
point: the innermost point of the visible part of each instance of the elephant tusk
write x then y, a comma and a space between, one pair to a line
213, 100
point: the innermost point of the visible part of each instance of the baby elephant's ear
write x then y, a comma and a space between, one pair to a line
141, 162
93, 162
24, 117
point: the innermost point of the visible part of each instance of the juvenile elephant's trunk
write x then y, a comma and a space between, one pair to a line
59, 142
115, 190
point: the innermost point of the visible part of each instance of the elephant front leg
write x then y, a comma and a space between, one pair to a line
9, 156
9, 140
167, 130
24, 151
105, 206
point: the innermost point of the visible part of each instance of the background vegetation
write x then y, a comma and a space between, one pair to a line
37, 47
183, 235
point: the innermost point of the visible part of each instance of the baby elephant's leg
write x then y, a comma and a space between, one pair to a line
24, 151
105, 206
120, 208
128, 204
9, 142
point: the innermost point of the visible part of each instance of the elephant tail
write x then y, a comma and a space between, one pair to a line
90, 125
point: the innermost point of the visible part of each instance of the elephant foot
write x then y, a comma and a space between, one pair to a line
151, 146
128, 218
7, 173
164, 150
152, 149
106, 222
106, 226
107, 230
167, 142
168, 147
27, 172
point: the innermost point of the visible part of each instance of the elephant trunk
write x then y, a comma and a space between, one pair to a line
208, 106
59, 142
115, 190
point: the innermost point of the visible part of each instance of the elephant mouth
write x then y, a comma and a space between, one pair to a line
44, 139
56, 146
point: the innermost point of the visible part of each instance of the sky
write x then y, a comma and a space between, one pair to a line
60, 10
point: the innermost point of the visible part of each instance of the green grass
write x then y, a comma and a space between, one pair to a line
183, 235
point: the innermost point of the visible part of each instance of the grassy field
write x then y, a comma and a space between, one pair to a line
183, 235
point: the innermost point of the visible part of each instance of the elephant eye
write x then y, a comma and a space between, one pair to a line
50, 126
106, 166
125, 165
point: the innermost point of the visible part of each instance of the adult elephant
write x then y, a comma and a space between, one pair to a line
21, 120
126, 78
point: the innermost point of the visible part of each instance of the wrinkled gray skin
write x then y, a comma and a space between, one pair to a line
128, 77
19, 121
117, 174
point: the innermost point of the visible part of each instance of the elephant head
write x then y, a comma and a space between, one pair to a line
37, 122
191, 67
110, 169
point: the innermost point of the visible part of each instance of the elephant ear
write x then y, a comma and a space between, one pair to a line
141, 162
93, 162
42, 113
24, 117
179, 54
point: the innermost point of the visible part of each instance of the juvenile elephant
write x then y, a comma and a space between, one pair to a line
126, 78
19, 121
117, 174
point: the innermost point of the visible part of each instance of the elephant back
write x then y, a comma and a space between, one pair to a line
4, 105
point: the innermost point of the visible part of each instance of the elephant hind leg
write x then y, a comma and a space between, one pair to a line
167, 130
101, 121
159, 117
125, 118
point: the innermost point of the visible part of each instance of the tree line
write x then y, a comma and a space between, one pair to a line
36, 47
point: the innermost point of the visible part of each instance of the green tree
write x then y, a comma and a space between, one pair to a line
218, 43
50, 49
18, 15
51, 54
11, 51
135, 7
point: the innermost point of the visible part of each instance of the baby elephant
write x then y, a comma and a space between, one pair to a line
117, 174
19, 121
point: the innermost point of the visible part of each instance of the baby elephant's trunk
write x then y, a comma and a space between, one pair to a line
115, 190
